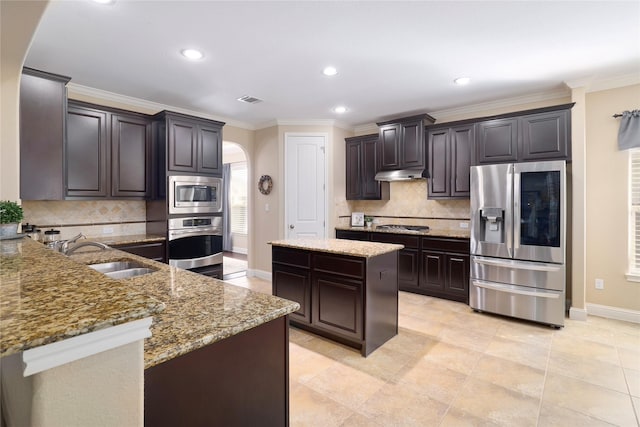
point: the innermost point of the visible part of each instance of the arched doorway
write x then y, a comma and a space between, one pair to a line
235, 242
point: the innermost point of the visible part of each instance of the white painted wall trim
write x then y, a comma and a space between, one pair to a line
149, 105
49, 356
577, 313
260, 274
239, 250
616, 313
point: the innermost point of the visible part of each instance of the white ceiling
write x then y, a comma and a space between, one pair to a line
394, 58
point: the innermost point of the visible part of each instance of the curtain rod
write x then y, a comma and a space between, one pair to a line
615, 116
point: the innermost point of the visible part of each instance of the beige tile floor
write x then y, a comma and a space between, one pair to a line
450, 366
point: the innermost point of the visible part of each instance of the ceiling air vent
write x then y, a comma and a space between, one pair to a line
249, 99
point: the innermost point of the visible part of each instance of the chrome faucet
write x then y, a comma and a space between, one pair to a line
69, 251
64, 246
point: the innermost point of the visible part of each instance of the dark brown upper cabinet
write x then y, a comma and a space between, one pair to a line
541, 134
87, 152
193, 145
130, 156
449, 155
497, 141
43, 110
108, 152
402, 142
362, 164
545, 136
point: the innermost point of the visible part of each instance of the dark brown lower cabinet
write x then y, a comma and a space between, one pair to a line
156, 251
352, 300
444, 271
434, 266
242, 380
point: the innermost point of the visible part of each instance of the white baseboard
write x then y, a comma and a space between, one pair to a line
260, 274
614, 313
239, 250
577, 313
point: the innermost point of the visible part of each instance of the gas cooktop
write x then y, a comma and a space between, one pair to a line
401, 227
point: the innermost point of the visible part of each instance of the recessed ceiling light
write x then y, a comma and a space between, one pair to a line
340, 109
330, 71
462, 81
192, 54
105, 1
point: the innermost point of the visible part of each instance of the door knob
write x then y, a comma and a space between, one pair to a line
291, 226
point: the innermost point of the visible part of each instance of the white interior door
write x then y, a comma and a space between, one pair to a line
305, 194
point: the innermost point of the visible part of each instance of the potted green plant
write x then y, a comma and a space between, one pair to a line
10, 216
368, 220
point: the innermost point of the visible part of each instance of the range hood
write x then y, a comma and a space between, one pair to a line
402, 175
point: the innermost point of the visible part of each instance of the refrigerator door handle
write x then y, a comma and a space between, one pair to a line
520, 265
509, 212
513, 290
516, 211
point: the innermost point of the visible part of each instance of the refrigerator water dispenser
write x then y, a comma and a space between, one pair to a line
492, 225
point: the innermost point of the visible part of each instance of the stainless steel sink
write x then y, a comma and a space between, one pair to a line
122, 269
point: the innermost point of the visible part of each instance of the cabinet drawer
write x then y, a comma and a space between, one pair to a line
337, 265
446, 245
352, 235
295, 257
407, 241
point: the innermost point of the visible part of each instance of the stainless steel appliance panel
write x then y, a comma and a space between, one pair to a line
531, 274
491, 210
539, 211
195, 242
540, 305
194, 194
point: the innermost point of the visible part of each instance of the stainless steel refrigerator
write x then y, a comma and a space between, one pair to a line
518, 240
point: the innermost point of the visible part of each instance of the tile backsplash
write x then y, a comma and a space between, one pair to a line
93, 218
408, 204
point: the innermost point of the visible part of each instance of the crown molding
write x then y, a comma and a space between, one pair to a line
156, 107
502, 103
365, 129
304, 122
614, 82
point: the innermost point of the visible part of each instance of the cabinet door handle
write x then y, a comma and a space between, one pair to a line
291, 226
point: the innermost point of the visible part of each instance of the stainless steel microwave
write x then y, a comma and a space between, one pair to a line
194, 194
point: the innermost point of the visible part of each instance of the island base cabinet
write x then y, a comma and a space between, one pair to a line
351, 300
242, 380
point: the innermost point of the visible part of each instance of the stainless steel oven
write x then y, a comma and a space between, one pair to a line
195, 243
194, 194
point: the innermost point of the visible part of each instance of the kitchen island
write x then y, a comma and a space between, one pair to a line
215, 348
347, 290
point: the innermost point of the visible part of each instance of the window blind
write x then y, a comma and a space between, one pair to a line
238, 198
635, 212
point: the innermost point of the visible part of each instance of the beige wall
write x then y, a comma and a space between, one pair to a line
607, 200
266, 224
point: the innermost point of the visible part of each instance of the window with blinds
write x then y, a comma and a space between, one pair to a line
238, 197
634, 220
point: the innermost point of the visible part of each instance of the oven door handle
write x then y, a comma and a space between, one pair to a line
182, 233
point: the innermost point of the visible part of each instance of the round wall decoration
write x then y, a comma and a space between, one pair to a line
265, 184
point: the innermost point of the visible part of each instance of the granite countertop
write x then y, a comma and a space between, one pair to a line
432, 232
340, 246
199, 310
46, 297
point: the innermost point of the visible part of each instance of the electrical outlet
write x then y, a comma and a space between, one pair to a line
107, 230
599, 284
464, 225
266, 207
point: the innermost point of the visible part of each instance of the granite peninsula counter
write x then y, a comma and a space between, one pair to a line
215, 348
347, 290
